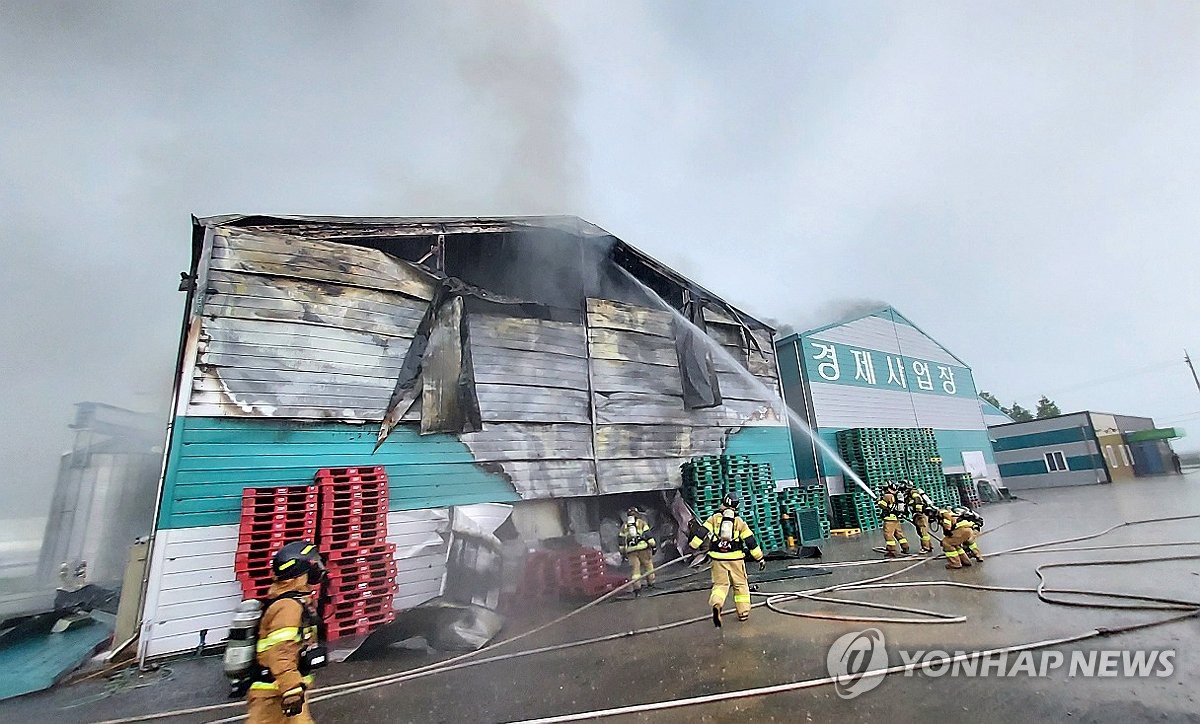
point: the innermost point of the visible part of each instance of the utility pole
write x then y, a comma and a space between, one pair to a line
1188, 359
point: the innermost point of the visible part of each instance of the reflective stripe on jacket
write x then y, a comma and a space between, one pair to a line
281, 636
639, 541
743, 540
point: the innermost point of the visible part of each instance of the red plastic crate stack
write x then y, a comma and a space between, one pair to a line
271, 518
578, 572
582, 573
352, 537
540, 577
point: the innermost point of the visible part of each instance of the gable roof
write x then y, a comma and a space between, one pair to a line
887, 312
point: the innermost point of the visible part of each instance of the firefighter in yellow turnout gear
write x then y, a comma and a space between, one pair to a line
891, 511
636, 543
960, 529
920, 507
287, 639
729, 540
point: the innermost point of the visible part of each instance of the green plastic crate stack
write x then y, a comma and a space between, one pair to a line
811, 498
706, 480
703, 485
813, 527
755, 485
957, 482
883, 455
854, 510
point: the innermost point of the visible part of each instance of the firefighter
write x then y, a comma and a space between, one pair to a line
920, 506
976, 520
959, 532
637, 543
729, 540
287, 639
891, 510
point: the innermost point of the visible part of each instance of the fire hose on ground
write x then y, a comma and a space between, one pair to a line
1188, 609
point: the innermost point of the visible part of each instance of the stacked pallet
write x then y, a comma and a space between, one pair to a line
583, 574
808, 506
352, 537
574, 573
879, 455
703, 485
271, 518
964, 486
755, 485
855, 509
706, 481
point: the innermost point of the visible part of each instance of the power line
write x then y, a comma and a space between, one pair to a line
1113, 378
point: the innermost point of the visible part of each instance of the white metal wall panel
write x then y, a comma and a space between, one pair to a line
422, 544
887, 336
193, 585
847, 406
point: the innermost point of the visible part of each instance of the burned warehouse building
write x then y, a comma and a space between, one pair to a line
540, 363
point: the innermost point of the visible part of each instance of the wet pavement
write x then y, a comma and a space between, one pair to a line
770, 649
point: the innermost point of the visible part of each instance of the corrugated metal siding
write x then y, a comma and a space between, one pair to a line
303, 329
1037, 453
846, 406
1021, 448
643, 430
264, 253
532, 382
216, 457
1054, 423
880, 396
195, 587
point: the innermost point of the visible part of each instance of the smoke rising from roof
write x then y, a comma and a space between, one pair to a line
125, 119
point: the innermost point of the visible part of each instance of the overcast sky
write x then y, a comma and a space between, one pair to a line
1019, 179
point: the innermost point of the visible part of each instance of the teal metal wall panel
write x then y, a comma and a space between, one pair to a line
952, 444
1086, 462
1027, 467
765, 445
214, 458
1042, 439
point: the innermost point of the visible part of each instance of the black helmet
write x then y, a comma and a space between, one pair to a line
297, 559
731, 500
633, 511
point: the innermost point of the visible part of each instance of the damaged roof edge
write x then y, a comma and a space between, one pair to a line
422, 225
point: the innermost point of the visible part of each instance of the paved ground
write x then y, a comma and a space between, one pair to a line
774, 649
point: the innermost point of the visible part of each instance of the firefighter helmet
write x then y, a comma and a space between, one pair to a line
297, 559
731, 500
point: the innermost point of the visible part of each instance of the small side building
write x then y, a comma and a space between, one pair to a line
1081, 448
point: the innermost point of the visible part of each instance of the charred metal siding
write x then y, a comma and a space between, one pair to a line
294, 342
644, 432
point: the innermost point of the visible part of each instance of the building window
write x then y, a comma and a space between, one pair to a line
1111, 457
1056, 462
1126, 456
